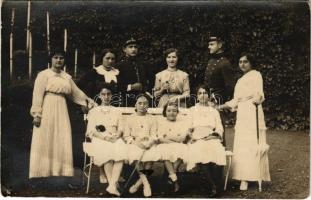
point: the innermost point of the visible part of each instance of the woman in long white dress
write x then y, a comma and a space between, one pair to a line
51, 146
247, 93
140, 136
205, 146
107, 147
173, 132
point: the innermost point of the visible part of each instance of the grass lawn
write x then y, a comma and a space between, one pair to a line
289, 168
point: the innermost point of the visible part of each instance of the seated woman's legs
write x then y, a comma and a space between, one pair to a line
142, 179
113, 171
208, 171
171, 168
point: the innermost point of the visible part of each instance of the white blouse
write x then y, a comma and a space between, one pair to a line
107, 116
205, 120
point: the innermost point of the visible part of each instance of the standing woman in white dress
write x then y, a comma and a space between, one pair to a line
205, 148
51, 146
140, 136
173, 132
247, 93
108, 148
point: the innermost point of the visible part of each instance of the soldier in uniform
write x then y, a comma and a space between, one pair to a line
219, 75
220, 80
132, 77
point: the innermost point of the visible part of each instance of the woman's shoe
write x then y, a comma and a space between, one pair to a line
213, 193
176, 186
133, 189
243, 185
147, 190
113, 190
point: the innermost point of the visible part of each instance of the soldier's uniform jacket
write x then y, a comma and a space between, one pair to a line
132, 70
219, 76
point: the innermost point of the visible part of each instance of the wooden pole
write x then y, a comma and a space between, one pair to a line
11, 44
76, 63
48, 35
65, 45
30, 56
28, 26
94, 59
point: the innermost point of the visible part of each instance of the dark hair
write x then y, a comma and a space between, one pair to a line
250, 57
105, 51
142, 95
170, 50
167, 105
202, 86
106, 86
57, 51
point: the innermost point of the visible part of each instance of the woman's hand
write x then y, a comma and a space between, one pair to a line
112, 139
140, 144
37, 121
129, 140
137, 87
256, 99
165, 87
91, 103
192, 141
174, 99
84, 109
223, 107
164, 139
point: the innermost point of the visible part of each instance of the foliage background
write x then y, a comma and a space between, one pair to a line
277, 33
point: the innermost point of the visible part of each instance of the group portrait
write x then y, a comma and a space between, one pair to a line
177, 99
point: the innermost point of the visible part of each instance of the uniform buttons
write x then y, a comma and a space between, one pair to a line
178, 134
169, 130
141, 126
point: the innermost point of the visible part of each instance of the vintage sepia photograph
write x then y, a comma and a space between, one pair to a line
155, 99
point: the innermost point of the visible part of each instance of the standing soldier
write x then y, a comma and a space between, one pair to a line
219, 76
220, 80
132, 78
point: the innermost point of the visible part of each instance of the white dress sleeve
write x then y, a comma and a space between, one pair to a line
259, 96
91, 123
127, 130
233, 103
154, 129
38, 95
77, 95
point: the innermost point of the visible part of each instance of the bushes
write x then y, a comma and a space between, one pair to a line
278, 35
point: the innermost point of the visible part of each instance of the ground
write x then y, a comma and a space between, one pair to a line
289, 168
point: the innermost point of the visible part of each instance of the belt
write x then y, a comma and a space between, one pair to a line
54, 93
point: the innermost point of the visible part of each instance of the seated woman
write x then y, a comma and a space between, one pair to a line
108, 148
205, 144
140, 136
172, 84
172, 134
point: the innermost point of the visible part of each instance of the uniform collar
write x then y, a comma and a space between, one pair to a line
217, 56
